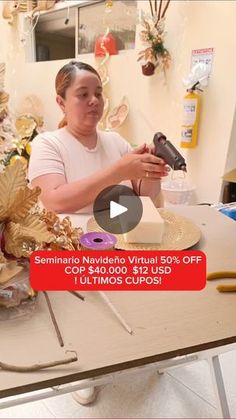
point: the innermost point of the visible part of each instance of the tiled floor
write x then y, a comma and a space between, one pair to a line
184, 392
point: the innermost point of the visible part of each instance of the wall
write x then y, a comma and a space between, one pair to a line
156, 103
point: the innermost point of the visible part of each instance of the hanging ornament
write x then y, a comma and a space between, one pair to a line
104, 47
105, 43
118, 115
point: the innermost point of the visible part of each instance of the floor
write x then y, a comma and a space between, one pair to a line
183, 392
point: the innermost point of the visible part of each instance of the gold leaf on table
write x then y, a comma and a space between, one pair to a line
13, 244
25, 199
65, 243
62, 245
11, 180
31, 229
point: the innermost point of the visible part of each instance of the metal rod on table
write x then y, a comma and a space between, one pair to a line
116, 312
53, 318
77, 294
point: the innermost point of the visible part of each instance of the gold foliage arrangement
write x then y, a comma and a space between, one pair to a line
24, 226
65, 235
19, 227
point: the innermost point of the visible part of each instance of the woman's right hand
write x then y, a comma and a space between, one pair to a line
141, 166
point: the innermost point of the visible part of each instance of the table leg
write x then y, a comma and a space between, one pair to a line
218, 383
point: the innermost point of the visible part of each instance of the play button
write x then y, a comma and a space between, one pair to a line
117, 209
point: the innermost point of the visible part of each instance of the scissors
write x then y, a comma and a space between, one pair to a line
223, 275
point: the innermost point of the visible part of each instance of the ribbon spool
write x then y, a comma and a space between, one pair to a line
98, 241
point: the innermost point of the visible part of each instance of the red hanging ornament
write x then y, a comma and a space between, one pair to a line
105, 44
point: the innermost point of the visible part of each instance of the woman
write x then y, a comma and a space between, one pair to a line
73, 164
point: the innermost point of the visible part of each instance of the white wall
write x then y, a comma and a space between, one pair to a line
156, 104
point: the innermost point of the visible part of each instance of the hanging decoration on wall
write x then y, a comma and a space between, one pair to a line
118, 115
103, 72
12, 8
114, 118
105, 46
155, 57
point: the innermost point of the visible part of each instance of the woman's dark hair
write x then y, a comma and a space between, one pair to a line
66, 76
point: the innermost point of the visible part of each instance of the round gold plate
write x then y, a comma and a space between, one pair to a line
180, 233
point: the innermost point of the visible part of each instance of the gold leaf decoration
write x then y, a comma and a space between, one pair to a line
31, 226
13, 243
62, 242
66, 236
31, 229
25, 126
25, 199
11, 180
24, 225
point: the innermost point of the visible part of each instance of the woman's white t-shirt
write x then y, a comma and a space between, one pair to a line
60, 152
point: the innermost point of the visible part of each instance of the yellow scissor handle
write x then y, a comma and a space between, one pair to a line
223, 275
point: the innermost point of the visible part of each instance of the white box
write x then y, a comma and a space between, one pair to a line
151, 226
